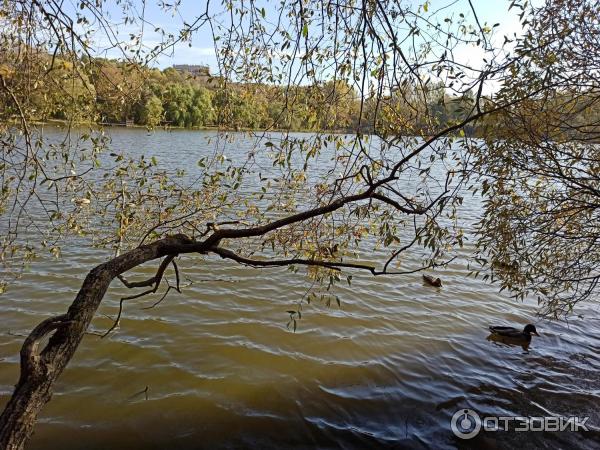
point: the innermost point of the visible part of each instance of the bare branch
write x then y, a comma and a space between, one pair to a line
224, 253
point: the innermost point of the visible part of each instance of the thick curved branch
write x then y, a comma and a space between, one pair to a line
30, 358
228, 254
214, 239
397, 205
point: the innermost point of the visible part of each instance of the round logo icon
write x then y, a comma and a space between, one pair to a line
465, 423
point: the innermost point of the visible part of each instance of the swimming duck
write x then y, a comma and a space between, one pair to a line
514, 333
428, 279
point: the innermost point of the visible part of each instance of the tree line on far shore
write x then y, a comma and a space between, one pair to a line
112, 92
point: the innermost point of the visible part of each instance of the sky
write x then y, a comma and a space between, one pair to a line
201, 49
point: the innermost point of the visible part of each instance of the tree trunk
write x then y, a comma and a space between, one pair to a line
41, 369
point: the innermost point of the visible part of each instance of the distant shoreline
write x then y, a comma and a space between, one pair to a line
86, 123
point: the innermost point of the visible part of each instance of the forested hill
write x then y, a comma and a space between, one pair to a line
108, 91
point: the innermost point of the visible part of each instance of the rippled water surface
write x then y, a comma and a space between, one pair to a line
386, 369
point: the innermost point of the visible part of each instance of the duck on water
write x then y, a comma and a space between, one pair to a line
513, 336
431, 281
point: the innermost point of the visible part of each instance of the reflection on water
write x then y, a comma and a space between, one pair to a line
509, 342
217, 367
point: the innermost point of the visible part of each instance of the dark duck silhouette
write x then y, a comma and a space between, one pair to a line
513, 336
515, 333
428, 279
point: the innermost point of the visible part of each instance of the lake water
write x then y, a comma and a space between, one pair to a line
388, 368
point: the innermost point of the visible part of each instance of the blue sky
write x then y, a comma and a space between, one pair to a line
201, 50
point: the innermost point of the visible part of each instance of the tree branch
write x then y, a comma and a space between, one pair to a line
228, 254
